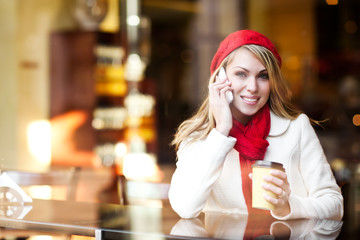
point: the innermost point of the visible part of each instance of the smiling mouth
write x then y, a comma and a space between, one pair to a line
252, 100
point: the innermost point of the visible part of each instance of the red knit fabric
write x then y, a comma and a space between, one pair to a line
236, 40
251, 144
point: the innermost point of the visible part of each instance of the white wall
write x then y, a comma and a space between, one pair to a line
8, 84
25, 26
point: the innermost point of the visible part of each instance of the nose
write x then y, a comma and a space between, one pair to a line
251, 84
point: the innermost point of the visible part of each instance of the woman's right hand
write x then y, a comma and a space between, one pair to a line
219, 106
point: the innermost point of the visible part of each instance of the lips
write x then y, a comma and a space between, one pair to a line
250, 100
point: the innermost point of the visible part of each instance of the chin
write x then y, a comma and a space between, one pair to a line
245, 109
242, 113
249, 111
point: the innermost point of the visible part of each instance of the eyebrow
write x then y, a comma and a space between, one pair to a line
247, 70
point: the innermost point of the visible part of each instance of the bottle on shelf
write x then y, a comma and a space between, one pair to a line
109, 118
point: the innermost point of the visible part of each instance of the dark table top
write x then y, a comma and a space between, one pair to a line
111, 221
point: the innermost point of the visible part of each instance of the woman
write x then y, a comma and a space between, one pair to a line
216, 147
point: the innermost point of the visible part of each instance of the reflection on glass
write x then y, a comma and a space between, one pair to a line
235, 226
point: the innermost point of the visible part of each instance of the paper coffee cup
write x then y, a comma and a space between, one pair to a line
260, 169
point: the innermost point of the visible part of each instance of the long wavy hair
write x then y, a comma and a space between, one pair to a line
199, 125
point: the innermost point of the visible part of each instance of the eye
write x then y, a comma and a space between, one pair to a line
241, 74
263, 76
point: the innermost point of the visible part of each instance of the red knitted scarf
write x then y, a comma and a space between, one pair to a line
251, 144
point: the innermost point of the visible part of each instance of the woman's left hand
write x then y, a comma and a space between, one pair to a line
277, 183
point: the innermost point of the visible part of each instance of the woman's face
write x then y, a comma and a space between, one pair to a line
250, 83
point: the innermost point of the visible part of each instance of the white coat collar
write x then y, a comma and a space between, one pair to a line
278, 124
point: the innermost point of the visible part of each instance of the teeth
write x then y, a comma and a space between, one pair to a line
250, 99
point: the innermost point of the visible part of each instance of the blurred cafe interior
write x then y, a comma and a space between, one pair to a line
101, 85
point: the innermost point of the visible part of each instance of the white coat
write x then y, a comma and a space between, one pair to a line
208, 175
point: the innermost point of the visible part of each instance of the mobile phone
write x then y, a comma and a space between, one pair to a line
222, 76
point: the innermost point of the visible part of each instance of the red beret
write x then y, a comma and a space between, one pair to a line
236, 40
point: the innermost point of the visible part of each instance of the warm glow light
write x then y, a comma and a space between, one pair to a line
356, 120
41, 237
133, 20
293, 63
139, 165
332, 2
120, 149
41, 192
351, 26
39, 141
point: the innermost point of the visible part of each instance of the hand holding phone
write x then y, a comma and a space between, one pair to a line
222, 76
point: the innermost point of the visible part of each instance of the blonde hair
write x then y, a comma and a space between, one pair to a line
199, 126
